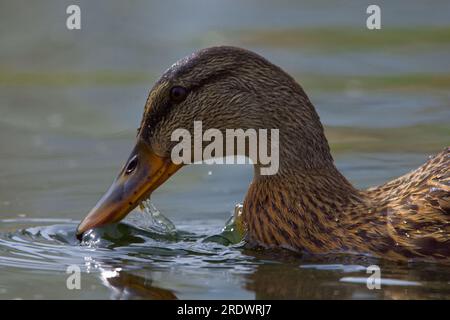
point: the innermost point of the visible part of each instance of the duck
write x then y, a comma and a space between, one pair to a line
307, 205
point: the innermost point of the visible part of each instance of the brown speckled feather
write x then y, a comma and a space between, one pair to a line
321, 212
417, 207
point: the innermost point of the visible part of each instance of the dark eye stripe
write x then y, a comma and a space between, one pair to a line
165, 105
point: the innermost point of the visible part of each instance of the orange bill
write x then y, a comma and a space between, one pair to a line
142, 174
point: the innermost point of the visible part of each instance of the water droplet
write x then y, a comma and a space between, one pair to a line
111, 273
238, 210
90, 239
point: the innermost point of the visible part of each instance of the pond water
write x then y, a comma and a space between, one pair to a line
70, 103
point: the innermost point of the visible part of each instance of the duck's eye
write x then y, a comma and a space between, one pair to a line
131, 165
178, 94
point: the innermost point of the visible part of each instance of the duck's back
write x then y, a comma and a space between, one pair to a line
417, 209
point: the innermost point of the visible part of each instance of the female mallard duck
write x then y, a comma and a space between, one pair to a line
307, 205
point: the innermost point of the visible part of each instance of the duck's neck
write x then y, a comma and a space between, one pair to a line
307, 205
301, 210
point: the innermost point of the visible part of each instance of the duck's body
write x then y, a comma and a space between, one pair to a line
321, 212
307, 204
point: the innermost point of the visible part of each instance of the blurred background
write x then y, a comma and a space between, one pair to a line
71, 100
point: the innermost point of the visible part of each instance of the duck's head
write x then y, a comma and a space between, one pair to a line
225, 88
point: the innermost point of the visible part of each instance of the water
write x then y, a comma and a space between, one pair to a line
128, 261
70, 103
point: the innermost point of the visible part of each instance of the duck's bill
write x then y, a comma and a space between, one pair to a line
142, 174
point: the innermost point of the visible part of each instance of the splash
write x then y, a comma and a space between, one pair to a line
151, 219
233, 232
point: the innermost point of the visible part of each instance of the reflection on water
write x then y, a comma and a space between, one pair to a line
70, 103
132, 263
130, 286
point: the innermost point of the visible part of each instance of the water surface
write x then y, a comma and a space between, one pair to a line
70, 103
